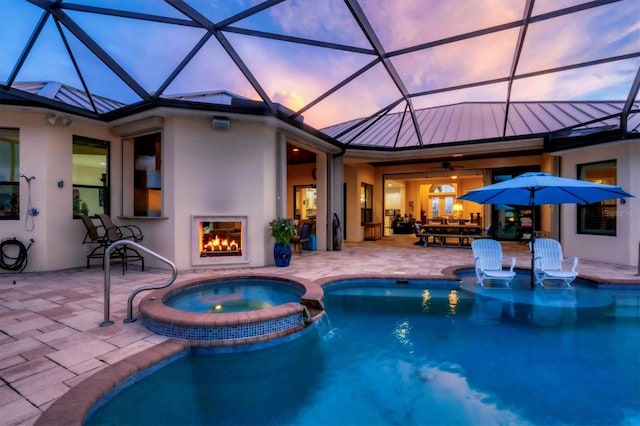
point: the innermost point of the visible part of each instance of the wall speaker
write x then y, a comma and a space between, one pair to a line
221, 123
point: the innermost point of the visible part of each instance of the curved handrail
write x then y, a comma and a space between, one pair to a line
107, 279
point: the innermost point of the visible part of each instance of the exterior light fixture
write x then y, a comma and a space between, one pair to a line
221, 123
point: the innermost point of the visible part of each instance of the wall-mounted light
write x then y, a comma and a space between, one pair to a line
221, 123
52, 120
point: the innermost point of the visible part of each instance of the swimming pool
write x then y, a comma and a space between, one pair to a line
414, 354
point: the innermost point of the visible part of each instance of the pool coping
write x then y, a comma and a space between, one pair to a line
73, 406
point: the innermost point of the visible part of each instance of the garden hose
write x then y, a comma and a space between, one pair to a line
11, 263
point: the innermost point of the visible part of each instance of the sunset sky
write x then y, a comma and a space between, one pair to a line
296, 74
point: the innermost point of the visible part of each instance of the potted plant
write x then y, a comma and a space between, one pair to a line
282, 230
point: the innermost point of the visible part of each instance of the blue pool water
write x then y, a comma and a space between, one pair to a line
411, 355
236, 295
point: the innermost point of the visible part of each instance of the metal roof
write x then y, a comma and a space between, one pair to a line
470, 122
397, 74
68, 95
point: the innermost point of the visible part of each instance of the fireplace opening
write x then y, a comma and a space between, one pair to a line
217, 240
220, 238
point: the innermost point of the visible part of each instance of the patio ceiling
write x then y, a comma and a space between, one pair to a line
371, 74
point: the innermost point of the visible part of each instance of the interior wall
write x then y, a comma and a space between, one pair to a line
354, 177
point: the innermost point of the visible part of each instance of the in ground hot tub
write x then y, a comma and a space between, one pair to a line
231, 310
235, 296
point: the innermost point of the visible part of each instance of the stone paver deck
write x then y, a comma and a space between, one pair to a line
51, 341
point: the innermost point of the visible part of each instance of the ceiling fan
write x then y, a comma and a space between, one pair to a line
447, 166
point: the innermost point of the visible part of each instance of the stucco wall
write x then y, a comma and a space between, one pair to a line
623, 248
46, 154
219, 173
205, 172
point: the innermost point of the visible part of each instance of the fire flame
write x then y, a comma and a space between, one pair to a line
218, 244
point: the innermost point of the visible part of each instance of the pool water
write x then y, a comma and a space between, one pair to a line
234, 296
415, 356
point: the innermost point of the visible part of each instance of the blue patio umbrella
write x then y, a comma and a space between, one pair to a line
537, 188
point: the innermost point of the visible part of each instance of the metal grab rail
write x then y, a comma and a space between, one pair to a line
107, 279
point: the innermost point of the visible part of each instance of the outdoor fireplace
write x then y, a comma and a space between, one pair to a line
218, 239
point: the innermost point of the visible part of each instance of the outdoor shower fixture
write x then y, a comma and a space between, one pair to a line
31, 211
28, 179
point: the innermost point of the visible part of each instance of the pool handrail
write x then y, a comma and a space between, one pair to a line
107, 279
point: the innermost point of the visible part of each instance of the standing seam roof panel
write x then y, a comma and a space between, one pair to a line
495, 121
434, 124
517, 123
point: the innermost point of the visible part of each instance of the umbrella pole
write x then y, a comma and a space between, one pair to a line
532, 241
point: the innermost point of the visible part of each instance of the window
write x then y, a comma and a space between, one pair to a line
366, 203
442, 197
9, 174
90, 176
598, 218
305, 199
142, 166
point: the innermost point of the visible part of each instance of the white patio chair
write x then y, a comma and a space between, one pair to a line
549, 263
489, 262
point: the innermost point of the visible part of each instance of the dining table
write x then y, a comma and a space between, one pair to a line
438, 233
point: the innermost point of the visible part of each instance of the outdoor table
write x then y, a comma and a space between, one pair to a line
440, 233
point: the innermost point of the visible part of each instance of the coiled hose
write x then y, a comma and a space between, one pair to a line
17, 263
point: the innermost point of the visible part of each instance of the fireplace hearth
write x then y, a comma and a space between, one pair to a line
218, 239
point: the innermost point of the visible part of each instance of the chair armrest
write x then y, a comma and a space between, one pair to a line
476, 263
136, 232
536, 261
574, 264
513, 262
125, 232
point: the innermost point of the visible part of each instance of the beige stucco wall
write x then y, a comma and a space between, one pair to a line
219, 173
205, 172
623, 248
46, 154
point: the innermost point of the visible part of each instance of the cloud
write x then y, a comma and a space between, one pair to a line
400, 24
291, 100
609, 81
327, 20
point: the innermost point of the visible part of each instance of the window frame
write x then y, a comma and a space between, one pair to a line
366, 203
604, 211
104, 190
12, 200
135, 185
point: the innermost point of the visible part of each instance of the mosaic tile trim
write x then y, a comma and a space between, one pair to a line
226, 332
